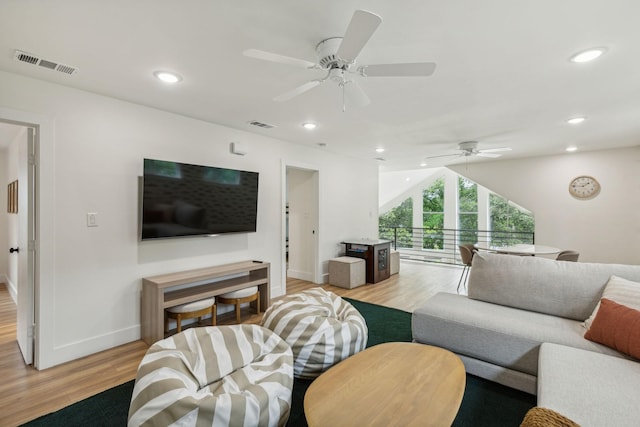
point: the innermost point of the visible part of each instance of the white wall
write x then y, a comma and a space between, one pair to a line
394, 186
91, 161
603, 229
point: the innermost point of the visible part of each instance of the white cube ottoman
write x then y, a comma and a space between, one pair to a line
394, 262
347, 272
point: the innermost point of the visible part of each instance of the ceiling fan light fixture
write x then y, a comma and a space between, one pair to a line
576, 120
167, 77
588, 55
309, 125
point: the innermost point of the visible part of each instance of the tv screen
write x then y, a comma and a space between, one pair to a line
180, 199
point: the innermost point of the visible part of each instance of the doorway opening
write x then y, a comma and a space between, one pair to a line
300, 224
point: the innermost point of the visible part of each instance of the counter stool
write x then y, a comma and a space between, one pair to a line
190, 311
241, 296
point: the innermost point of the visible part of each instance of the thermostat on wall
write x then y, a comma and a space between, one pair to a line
238, 148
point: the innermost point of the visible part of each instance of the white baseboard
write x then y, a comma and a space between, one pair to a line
75, 350
302, 275
11, 287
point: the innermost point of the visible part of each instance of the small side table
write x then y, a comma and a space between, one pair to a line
376, 254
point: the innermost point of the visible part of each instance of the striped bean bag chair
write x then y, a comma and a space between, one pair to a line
240, 375
321, 328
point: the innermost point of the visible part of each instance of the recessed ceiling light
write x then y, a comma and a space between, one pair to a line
309, 126
407, 179
423, 164
167, 76
571, 148
576, 120
588, 55
379, 150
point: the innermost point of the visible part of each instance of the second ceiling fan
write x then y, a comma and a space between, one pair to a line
337, 56
470, 148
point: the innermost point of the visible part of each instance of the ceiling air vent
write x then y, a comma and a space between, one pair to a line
29, 58
261, 125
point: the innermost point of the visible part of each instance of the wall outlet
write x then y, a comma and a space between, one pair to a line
92, 219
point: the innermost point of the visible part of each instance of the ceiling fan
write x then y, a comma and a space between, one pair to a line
470, 148
337, 56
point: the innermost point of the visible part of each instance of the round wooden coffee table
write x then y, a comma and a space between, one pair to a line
388, 384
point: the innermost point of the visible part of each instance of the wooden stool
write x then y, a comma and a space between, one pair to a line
190, 311
241, 296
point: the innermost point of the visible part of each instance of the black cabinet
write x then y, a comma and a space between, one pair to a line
376, 254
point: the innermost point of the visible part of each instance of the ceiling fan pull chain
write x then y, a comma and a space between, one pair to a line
344, 107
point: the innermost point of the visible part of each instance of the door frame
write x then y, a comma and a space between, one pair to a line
316, 270
43, 222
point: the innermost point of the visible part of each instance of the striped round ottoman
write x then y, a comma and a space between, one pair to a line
238, 375
321, 328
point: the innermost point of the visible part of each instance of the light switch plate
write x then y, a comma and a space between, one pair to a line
92, 219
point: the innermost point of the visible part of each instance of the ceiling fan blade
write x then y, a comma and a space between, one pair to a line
281, 59
443, 155
297, 91
417, 69
495, 150
355, 94
490, 155
362, 26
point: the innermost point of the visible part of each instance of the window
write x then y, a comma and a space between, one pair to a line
396, 224
507, 216
433, 215
467, 211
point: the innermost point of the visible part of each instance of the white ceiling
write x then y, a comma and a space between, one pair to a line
503, 73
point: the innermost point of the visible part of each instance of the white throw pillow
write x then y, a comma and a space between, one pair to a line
620, 290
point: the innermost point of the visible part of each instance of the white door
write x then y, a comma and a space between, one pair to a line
26, 244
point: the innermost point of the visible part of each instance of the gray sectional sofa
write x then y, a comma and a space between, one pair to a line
521, 325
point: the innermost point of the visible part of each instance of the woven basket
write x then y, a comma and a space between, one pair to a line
543, 417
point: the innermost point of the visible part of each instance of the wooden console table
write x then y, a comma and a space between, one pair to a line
376, 254
169, 290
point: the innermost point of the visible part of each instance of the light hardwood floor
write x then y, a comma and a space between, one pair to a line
26, 393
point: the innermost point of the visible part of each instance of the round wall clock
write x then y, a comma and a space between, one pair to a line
584, 187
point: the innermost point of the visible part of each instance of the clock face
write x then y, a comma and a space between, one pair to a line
584, 187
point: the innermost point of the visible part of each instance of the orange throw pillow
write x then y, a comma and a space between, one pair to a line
616, 326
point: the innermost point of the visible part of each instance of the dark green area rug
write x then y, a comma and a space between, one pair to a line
485, 404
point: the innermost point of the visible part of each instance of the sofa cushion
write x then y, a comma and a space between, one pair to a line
622, 291
493, 333
591, 389
616, 326
565, 289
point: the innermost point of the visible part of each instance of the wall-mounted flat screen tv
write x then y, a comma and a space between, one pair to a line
180, 199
